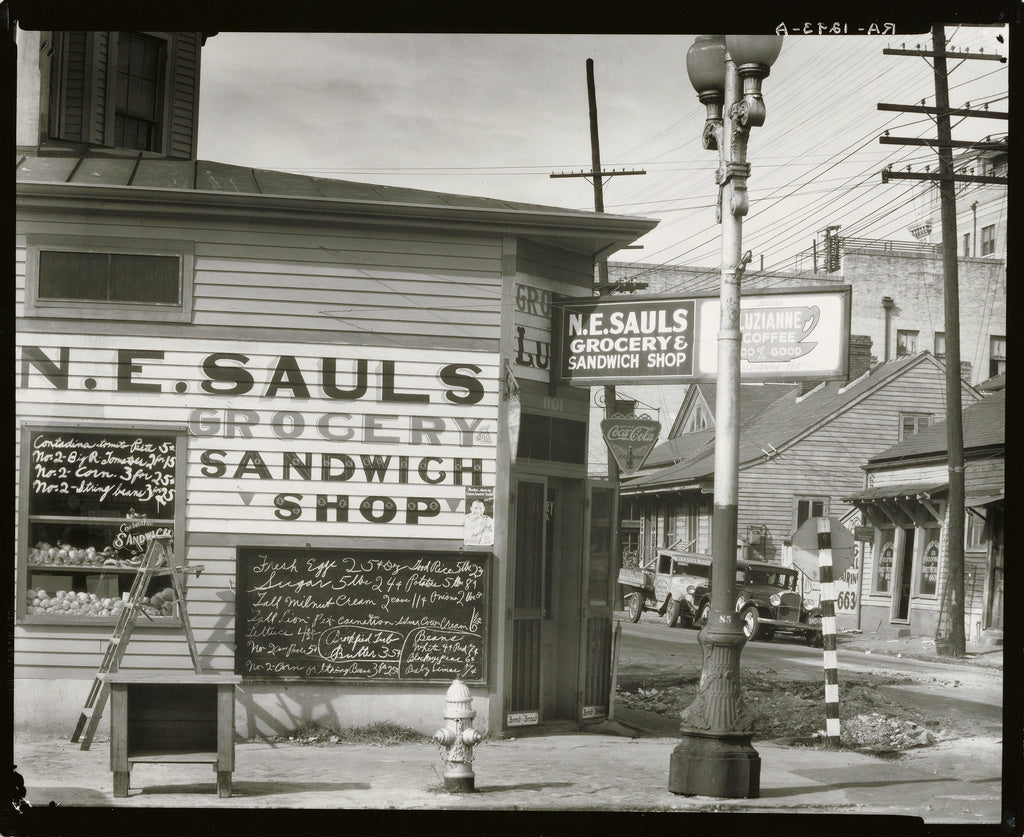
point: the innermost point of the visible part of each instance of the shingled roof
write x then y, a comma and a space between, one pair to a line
119, 168
775, 428
117, 174
984, 426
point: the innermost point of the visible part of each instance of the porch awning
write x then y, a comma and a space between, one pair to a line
914, 490
977, 501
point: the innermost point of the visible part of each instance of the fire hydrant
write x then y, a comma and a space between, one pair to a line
457, 739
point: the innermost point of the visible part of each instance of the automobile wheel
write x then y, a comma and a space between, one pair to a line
634, 607
672, 613
814, 639
702, 617
751, 620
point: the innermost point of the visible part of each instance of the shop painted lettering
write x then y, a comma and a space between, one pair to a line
360, 434
230, 374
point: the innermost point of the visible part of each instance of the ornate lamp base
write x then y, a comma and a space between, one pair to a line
721, 764
715, 757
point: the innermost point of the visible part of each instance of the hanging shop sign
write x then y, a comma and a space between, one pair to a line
786, 335
630, 439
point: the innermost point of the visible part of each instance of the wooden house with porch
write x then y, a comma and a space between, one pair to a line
800, 457
903, 587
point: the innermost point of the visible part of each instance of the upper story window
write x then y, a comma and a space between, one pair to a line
940, 345
96, 278
698, 420
906, 342
141, 60
913, 423
997, 356
988, 240
129, 90
967, 245
808, 507
66, 275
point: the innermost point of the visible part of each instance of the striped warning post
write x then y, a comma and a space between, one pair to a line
828, 632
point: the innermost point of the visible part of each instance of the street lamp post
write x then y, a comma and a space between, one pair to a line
715, 757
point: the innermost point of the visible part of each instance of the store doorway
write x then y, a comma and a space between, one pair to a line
548, 515
906, 576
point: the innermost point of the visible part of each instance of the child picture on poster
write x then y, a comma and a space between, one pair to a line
478, 527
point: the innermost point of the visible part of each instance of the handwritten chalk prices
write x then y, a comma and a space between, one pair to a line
86, 473
329, 614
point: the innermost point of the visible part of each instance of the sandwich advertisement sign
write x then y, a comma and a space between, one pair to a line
786, 335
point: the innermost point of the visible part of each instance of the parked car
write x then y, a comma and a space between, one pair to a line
768, 602
667, 585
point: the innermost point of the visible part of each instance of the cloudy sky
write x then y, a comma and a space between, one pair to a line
495, 115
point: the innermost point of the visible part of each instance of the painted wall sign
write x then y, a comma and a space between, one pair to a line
786, 335
361, 615
847, 584
365, 443
532, 323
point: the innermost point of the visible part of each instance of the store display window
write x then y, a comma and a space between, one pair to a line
885, 550
94, 499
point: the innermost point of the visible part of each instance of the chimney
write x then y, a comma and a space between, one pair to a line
861, 359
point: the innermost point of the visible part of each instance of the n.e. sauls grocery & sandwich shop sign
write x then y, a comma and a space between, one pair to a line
367, 442
786, 335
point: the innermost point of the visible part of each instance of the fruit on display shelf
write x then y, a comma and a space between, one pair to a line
46, 554
69, 603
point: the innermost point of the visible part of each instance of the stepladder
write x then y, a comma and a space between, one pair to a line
158, 561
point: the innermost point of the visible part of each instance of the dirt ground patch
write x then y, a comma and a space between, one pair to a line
793, 710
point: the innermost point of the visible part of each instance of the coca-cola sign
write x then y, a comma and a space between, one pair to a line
630, 440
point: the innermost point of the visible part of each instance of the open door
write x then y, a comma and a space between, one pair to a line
522, 706
545, 636
596, 628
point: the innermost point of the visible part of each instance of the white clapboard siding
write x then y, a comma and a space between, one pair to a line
249, 265
77, 650
184, 90
541, 272
277, 285
906, 476
827, 462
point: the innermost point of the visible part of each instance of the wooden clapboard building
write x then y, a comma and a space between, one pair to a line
904, 578
334, 396
800, 456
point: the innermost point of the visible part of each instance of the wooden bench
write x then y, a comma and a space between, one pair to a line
172, 718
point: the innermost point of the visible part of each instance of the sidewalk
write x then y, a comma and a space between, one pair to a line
622, 766
919, 648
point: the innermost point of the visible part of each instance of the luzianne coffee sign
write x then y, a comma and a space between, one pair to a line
786, 335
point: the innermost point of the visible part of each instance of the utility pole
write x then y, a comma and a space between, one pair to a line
597, 175
954, 593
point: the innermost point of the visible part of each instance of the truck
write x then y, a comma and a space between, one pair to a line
666, 585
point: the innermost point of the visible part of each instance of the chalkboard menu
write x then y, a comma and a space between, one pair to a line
361, 615
85, 474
